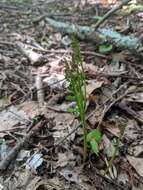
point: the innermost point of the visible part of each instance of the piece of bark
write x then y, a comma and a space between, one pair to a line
35, 58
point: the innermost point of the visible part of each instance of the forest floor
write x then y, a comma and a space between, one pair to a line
41, 140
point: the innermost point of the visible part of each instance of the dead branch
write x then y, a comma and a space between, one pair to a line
130, 43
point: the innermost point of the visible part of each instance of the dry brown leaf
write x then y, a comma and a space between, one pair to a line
11, 118
50, 184
137, 164
31, 108
131, 130
63, 120
64, 159
137, 150
92, 85
112, 128
90, 68
123, 178
76, 176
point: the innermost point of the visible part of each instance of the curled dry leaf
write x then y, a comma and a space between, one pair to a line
40, 90
92, 85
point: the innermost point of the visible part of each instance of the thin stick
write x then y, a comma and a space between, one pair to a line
109, 13
111, 105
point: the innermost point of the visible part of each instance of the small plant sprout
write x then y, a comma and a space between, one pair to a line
94, 139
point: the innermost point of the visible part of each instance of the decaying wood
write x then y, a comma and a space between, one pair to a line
102, 35
35, 59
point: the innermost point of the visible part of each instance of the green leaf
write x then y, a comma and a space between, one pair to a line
73, 110
105, 48
97, 17
94, 134
70, 98
94, 146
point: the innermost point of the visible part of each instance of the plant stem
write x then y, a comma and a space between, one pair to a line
116, 148
110, 163
85, 143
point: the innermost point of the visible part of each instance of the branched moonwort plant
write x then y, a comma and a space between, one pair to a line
77, 85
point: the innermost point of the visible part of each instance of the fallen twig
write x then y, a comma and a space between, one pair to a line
109, 13
62, 51
108, 107
131, 112
12, 129
14, 152
113, 75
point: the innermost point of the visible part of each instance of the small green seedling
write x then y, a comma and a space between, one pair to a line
105, 48
116, 144
73, 110
94, 139
70, 98
97, 18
